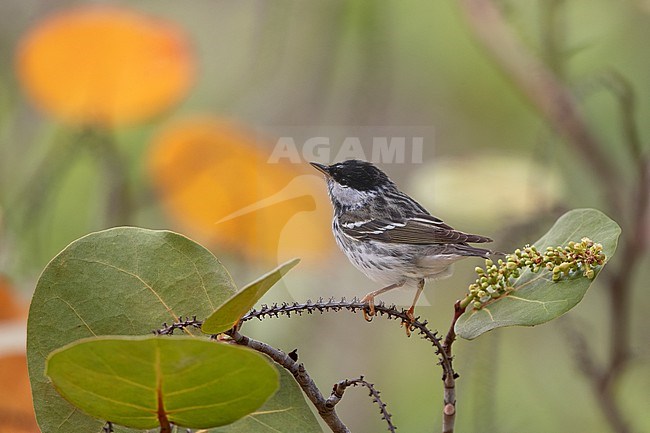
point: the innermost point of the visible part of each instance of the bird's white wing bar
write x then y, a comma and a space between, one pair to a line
432, 220
354, 224
370, 226
382, 229
414, 230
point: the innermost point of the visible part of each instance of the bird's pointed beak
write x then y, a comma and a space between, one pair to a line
322, 168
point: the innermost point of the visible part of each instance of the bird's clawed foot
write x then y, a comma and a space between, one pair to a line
369, 310
408, 322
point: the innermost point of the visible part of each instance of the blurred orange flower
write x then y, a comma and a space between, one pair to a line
213, 177
16, 410
105, 65
16, 396
10, 307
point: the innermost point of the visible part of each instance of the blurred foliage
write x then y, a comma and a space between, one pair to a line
276, 65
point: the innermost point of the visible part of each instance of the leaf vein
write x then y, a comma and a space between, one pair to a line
535, 301
205, 384
77, 314
137, 277
203, 286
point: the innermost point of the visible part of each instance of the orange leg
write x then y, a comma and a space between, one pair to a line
410, 313
370, 299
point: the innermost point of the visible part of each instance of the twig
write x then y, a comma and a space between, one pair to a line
180, 325
449, 379
551, 41
119, 208
340, 387
327, 413
600, 378
635, 238
581, 349
627, 103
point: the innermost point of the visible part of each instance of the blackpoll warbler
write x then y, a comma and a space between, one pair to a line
389, 236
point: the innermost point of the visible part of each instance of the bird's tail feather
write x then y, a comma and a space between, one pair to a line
469, 250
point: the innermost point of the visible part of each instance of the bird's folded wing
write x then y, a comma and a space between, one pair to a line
420, 229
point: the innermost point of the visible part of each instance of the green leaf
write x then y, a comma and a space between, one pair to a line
122, 281
232, 310
285, 412
537, 299
139, 381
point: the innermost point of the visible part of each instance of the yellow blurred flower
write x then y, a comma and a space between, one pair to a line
104, 65
214, 179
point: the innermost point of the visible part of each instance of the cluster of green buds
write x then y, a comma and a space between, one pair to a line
496, 279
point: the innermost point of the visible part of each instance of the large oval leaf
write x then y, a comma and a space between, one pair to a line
122, 281
234, 308
146, 382
537, 299
285, 412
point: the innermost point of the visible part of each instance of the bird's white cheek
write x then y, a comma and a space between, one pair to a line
348, 197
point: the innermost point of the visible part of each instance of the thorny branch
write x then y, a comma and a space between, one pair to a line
332, 305
340, 387
629, 204
327, 413
324, 406
180, 325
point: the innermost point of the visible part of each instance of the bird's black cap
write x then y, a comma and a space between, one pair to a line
354, 173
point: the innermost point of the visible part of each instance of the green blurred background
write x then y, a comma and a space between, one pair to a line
317, 68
